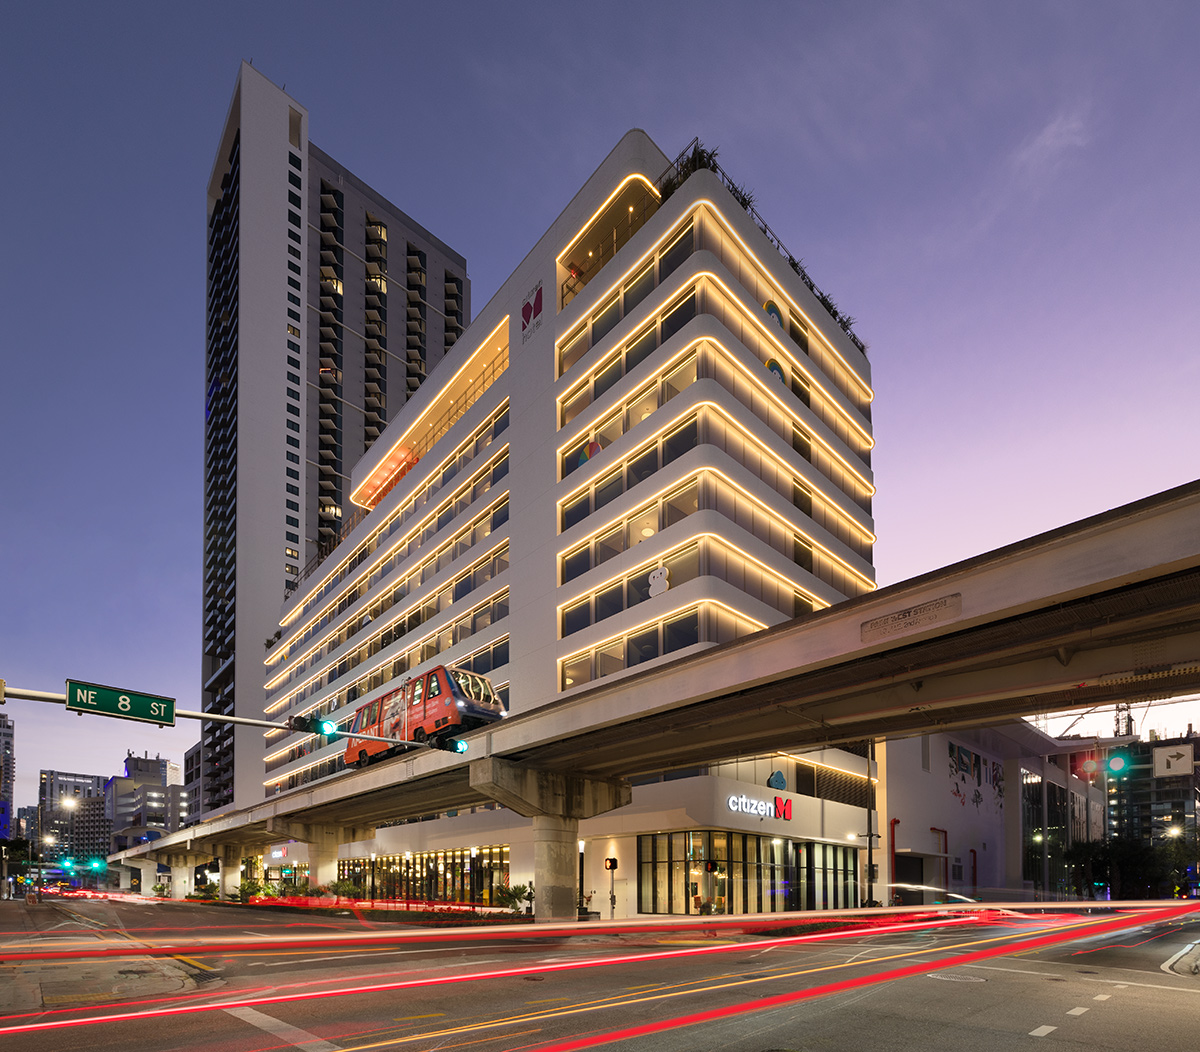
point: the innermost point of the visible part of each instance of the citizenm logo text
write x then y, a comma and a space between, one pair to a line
742, 804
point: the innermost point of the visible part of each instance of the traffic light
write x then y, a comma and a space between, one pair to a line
1118, 763
313, 724
610, 863
95, 863
68, 863
451, 744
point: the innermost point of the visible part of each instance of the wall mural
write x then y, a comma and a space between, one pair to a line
976, 780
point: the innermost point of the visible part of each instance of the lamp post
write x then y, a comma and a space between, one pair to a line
50, 841
70, 804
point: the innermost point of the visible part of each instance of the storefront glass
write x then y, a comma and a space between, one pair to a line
465, 875
715, 871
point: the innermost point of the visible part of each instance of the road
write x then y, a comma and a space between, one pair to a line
116, 975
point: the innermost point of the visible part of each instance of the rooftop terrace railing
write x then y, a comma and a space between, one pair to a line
692, 158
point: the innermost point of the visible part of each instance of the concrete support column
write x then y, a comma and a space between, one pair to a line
555, 867
149, 872
231, 872
323, 855
183, 878
556, 802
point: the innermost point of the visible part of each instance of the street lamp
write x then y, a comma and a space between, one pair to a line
46, 841
70, 803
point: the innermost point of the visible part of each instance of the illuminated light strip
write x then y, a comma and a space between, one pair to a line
766, 1003
321, 641
693, 539
817, 546
700, 203
418, 527
828, 766
301, 608
608, 201
866, 486
278, 703
766, 388
867, 440
660, 619
671, 487
409, 984
412, 427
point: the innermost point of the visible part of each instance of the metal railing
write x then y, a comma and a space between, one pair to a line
692, 158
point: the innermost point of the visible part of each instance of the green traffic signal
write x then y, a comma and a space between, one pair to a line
327, 727
95, 863
1117, 763
68, 863
460, 745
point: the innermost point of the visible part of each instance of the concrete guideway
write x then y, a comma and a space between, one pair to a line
1104, 609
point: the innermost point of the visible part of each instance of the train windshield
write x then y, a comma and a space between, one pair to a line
476, 688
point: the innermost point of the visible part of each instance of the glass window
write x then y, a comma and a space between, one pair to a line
643, 526
639, 288
609, 544
681, 631
676, 253
610, 429
576, 403
608, 376
683, 566
575, 510
610, 659
641, 646
680, 503
609, 601
679, 317
608, 489
605, 319
642, 406
641, 348
576, 671
573, 350
639, 586
576, 563
679, 442
680, 377
577, 616
643, 466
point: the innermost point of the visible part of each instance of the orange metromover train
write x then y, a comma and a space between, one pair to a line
431, 708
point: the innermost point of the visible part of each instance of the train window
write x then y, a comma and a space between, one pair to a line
435, 685
418, 692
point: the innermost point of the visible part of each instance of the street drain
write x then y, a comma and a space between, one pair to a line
955, 977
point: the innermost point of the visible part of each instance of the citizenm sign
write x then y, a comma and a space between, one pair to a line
741, 804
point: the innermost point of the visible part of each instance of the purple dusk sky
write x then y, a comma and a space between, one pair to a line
1003, 195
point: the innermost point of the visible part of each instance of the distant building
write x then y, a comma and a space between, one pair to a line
326, 306
8, 775
1156, 797
147, 802
27, 823
71, 811
193, 782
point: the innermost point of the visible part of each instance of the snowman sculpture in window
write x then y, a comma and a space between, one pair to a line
659, 582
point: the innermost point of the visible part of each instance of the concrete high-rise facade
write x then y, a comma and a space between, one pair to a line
326, 306
8, 775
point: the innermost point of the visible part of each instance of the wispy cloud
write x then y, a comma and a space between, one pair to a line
1038, 158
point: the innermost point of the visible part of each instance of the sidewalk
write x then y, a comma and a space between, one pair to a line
36, 986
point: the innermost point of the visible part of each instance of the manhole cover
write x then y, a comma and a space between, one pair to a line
956, 977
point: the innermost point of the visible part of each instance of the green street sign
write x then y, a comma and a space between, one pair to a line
124, 704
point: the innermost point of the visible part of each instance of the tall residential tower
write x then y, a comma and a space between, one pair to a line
326, 306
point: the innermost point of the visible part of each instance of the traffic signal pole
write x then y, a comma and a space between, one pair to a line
61, 699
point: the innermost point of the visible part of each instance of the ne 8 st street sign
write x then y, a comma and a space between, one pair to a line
124, 704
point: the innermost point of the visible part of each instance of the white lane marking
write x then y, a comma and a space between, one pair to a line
293, 1035
1078, 1011
1042, 1031
1101, 997
1166, 965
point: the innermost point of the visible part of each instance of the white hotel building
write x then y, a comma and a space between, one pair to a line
652, 440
